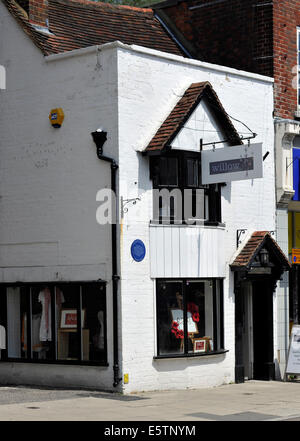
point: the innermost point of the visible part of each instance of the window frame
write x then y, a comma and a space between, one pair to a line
212, 215
27, 285
218, 318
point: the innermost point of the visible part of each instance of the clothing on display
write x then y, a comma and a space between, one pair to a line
45, 325
45, 299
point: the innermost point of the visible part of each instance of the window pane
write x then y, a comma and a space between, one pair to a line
94, 332
68, 338
41, 324
168, 172
170, 318
16, 323
194, 205
192, 169
200, 316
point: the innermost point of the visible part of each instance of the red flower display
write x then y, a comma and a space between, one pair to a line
196, 317
194, 310
177, 332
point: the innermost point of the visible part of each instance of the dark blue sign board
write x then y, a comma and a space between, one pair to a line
138, 250
231, 165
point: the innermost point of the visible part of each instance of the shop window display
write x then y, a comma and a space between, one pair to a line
189, 317
55, 323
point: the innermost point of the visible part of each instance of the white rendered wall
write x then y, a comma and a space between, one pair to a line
149, 88
49, 179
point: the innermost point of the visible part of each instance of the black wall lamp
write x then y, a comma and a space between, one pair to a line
264, 257
99, 137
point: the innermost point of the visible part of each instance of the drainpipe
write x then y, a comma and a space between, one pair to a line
99, 139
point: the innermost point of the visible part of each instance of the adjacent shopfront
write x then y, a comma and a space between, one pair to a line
54, 323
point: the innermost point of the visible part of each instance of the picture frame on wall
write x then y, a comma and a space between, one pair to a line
68, 318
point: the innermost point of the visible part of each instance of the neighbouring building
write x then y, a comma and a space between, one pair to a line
156, 299
262, 37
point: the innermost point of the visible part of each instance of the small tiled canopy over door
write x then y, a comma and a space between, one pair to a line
260, 263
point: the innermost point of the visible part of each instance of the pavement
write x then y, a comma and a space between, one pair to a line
250, 401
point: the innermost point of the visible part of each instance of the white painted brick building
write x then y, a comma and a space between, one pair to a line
49, 235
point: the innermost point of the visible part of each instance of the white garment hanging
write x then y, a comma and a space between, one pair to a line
2, 337
45, 327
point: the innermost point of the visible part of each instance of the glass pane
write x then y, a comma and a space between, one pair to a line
68, 338
16, 323
200, 316
168, 173
194, 205
41, 323
192, 168
94, 332
170, 318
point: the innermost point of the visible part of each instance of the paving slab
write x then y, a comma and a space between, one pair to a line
250, 401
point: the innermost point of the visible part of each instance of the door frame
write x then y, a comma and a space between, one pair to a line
267, 366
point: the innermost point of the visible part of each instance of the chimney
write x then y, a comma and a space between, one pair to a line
38, 12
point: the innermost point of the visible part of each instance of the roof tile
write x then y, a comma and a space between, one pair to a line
182, 111
78, 23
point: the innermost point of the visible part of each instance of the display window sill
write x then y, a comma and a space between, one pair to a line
192, 355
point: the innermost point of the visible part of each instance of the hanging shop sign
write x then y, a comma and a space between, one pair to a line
295, 255
138, 250
234, 163
293, 361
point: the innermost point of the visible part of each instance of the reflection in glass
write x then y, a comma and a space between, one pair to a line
170, 318
67, 305
200, 316
93, 332
16, 323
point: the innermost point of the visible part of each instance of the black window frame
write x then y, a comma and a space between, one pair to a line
218, 337
51, 285
211, 191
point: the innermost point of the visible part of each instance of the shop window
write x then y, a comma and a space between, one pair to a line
55, 323
179, 196
189, 317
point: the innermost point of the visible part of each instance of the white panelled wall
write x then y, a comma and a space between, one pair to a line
187, 251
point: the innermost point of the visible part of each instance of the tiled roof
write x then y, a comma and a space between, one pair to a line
257, 240
182, 111
78, 23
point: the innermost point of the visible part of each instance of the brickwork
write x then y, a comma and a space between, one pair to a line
38, 12
228, 32
256, 35
286, 20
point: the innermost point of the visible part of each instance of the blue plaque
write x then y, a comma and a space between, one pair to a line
138, 250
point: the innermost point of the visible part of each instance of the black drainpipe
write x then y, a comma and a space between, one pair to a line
99, 139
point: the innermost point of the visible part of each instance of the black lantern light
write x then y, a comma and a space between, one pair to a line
264, 257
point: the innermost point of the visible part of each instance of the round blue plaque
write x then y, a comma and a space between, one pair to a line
138, 250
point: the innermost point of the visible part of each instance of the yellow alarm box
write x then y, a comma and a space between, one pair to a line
56, 117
